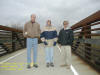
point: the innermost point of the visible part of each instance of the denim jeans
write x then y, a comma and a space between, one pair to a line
32, 43
49, 54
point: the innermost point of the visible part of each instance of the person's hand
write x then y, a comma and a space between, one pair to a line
60, 45
45, 43
25, 33
54, 44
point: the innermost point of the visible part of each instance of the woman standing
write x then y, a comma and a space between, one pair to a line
49, 38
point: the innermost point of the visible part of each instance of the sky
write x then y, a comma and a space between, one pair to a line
15, 13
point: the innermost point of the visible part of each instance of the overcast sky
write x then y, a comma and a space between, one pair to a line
19, 11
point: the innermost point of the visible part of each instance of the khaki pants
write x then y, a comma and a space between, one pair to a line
66, 54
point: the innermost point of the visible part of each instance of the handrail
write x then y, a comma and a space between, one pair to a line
87, 39
90, 19
9, 29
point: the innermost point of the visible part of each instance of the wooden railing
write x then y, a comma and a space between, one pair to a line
87, 39
10, 40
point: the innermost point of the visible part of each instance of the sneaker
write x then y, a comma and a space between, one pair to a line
51, 64
47, 65
35, 65
28, 66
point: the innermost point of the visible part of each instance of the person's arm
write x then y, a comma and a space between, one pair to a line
25, 30
42, 36
55, 37
59, 37
39, 29
72, 35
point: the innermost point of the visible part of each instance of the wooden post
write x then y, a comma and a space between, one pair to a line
87, 45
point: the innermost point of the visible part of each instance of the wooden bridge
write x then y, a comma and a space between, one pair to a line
85, 51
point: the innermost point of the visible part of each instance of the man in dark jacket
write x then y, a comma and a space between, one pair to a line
65, 40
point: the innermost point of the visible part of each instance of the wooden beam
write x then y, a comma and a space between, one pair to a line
90, 19
9, 29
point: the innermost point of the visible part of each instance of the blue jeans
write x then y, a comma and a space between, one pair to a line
49, 54
32, 42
